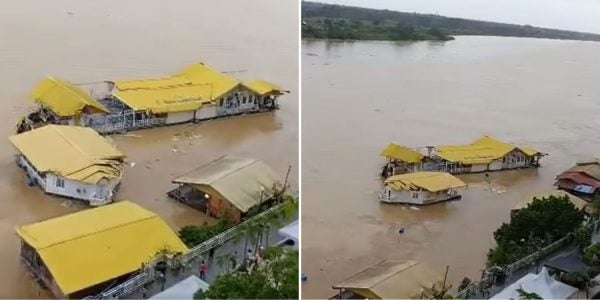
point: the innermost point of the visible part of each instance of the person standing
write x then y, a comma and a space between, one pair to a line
203, 269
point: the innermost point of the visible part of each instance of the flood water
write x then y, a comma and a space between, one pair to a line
94, 41
358, 97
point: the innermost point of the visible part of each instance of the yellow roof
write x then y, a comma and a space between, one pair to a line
578, 202
430, 181
186, 91
394, 280
95, 245
401, 153
482, 151
63, 98
263, 88
74, 152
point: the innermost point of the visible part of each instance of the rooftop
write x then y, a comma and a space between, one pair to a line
430, 181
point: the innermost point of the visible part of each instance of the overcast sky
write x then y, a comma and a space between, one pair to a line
578, 15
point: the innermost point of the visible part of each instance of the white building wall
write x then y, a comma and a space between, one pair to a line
207, 111
479, 168
417, 197
180, 117
496, 165
95, 194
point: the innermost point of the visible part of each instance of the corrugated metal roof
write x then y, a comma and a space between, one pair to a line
430, 181
589, 168
482, 151
74, 152
95, 245
579, 178
401, 153
63, 98
263, 88
189, 90
578, 202
239, 180
393, 280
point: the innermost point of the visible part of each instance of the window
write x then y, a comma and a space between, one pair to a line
415, 195
60, 182
221, 102
244, 100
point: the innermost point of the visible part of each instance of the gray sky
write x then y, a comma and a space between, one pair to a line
578, 15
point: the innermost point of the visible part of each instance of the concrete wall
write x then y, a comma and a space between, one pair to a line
180, 117
479, 168
31, 171
495, 165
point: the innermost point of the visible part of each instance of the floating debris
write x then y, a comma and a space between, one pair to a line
132, 164
414, 208
132, 135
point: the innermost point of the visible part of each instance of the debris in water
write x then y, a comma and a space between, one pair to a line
132, 164
401, 231
175, 150
67, 203
414, 208
304, 277
69, 13
311, 54
132, 135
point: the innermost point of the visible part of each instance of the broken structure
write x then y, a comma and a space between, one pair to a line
421, 188
70, 161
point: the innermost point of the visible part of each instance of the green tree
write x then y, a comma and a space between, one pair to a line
277, 278
539, 224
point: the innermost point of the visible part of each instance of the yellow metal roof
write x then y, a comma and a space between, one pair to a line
186, 91
482, 151
430, 181
578, 202
95, 245
63, 98
401, 153
263, 88
394, 280
74, 152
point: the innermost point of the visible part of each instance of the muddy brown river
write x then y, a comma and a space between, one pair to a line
94, 41
358, 97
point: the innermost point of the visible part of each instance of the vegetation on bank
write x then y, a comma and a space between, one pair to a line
275, 278
384, 24
343, 29
541, 223
193, 235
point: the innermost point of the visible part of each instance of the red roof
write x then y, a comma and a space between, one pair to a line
579, 178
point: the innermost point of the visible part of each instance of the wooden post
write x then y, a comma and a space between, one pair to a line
444, 284
286, 179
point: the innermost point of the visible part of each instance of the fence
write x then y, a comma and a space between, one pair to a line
147, 274
487, 280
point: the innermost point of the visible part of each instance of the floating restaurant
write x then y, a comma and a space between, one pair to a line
229, 186
197, 93
421, 188
85, 252
70, 161
483, 155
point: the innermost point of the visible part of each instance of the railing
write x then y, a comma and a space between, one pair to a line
477, 287
147, 274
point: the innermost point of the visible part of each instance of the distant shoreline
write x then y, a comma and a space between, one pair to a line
321, 21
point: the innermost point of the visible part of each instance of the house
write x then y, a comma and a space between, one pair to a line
421, 188
197, 93
583, 179
184, 289
392, 280
579, 203
70, 161
541, 284
85, 252
230, 186
483, 155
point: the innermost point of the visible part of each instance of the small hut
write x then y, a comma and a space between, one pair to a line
392, 280
229, 186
